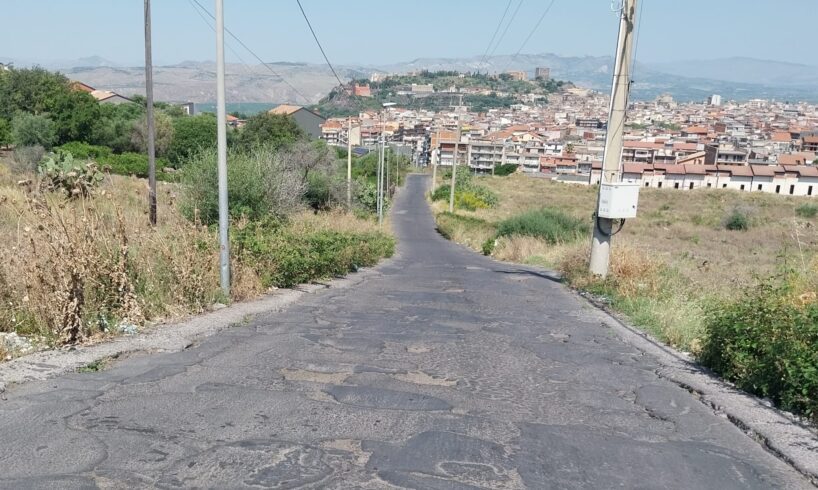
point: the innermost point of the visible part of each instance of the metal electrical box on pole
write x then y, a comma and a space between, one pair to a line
616, 200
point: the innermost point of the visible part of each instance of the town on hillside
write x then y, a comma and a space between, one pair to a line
756, 145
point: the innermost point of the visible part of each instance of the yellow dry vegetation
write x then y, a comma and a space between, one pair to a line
74, 269
670, 261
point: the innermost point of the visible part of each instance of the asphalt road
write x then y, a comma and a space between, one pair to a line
445, 370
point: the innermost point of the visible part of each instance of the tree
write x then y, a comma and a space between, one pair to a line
76, 116
163, 134
5, 132
116, 125
267, 129
191, 134
33, 90
30, 130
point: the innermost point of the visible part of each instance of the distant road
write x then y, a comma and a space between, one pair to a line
445, 370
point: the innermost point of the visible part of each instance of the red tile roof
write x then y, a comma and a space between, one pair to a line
781, 136
644, 145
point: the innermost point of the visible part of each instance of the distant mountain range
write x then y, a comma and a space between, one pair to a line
303, 83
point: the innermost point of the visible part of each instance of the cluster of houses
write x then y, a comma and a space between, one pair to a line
758, 146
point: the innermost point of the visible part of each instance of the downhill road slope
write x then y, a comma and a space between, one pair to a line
444, 370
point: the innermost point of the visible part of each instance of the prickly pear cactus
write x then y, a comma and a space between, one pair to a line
61, 173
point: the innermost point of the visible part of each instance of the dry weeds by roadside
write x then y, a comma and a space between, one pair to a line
667, 262
725, 275
85, 268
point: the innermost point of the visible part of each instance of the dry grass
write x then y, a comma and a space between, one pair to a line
75, 269
673, 258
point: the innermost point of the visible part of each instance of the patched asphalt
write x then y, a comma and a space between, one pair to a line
443, 370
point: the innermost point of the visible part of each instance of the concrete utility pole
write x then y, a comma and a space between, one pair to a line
221, 117
454, 169
435, 158
349, 164
149, 116
601, 245
379, 174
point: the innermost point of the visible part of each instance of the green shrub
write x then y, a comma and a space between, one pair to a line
61, 172
467, 195
33, 130
85, 151
768, 345
469, 201
505, 169
551, 225
260, 183
135, 164
190, 135
807, 210
285, 258
737, 221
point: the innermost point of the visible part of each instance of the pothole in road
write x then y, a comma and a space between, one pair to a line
418, 349
352, 446
313, 376
421, 378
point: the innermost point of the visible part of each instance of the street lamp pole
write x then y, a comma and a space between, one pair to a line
454, 169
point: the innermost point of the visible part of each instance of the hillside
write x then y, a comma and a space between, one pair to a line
479, 92
733, 78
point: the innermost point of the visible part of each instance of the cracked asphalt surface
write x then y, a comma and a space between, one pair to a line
445, 370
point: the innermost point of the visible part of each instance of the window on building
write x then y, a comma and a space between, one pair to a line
742, 186
724, 186
760, 187
659, 185
691, 185
676, 185
792, 189
647, 184
809, 191
778, 189
709, 185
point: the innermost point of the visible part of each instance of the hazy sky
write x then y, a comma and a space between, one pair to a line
385, 31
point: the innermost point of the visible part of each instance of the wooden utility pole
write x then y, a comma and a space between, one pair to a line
603, 227
149, 116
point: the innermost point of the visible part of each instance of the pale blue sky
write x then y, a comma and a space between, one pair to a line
383, 31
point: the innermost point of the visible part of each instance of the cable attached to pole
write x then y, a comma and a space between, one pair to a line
603, 232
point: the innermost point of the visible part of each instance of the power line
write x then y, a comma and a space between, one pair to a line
494, 36
253, 53
528, 38
213, 28
510, 21
314, 36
